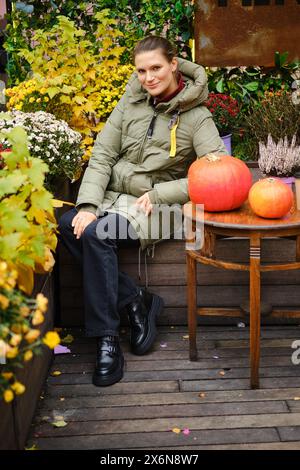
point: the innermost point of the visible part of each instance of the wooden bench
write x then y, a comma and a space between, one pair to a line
167, 277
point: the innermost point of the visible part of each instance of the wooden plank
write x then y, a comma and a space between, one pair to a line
294, 403
157, 439
256, 446
120, 387
180, 334
74, 317
128, 425
233, 384
179, 364
170, 398
196, 374
273, 353
157, 411
230, 249
290, 433
175, 275
87, 348
212, 296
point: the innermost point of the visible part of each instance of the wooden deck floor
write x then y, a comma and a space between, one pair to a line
164, 390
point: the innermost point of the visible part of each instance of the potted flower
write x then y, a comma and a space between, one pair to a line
225, 110
275, 125
49, 139
280, 159
28, 240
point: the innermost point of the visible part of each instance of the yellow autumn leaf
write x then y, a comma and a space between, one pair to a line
68, 339
59, 203
176, 430
59, 424
33, 447
55, 373
25, 278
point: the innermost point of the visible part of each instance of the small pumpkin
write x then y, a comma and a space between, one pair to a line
270, 198
220, 182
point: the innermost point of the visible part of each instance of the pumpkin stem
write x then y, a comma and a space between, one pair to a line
212, 157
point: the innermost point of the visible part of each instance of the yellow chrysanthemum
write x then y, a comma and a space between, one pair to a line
38, 318
16, 328
12, 352
27, 356
42, 302
18, 388
25, 328
15, 340
7, 375
4, 302
24, 311
51, 339
8, 396
32, 335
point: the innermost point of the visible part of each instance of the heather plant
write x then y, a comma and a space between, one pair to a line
281, 159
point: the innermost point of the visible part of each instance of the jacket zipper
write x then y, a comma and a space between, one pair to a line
148, 134
151, 126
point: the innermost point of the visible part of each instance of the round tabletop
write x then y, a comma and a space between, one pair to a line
242, 218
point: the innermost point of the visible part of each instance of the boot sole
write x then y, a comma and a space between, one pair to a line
110, 379
156, 309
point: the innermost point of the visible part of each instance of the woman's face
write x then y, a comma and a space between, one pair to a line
155, 73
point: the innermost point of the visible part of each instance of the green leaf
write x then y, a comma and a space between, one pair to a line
9, 245
53, 91
25, 258
42, 200
220, 86
13, 219
36, 172
11, 183
252, 86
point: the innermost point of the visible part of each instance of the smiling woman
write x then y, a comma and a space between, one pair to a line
139, 162
156, 66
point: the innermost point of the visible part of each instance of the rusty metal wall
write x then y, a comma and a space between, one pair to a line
246, 32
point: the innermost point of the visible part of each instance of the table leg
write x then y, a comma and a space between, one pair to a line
254, 310
192, 304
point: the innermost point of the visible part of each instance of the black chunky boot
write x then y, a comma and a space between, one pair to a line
109, 361
142, 314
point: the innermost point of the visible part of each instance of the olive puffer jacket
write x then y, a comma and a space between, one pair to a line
145, 149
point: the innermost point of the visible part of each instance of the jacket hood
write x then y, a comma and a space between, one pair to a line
194, 93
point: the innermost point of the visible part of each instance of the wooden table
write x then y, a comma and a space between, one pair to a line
238, 223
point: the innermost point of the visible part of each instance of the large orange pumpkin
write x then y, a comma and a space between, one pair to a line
220, 182
270, 198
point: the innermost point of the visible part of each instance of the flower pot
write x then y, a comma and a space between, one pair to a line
227, 142
289, 180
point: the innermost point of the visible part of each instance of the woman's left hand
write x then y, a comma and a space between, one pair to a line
145, 204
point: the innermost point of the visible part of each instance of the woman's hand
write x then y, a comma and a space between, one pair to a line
81, 221
145, 204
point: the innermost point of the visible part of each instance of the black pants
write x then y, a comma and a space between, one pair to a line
106, 289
